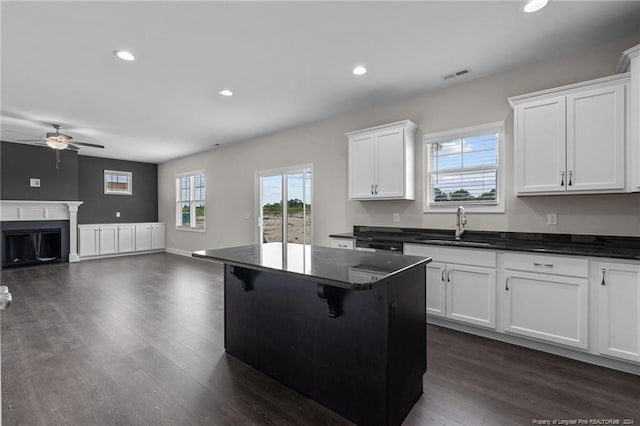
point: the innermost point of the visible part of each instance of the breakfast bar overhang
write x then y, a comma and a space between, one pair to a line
344, 328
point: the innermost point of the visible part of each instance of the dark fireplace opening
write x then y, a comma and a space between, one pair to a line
34, 242
26, 247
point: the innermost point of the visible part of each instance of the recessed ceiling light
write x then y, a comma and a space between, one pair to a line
124, 55
359, 70
225, 92
534, 5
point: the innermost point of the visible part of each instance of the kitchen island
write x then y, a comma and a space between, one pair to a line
345, 328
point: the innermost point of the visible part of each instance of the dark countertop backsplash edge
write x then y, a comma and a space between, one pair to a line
568, 244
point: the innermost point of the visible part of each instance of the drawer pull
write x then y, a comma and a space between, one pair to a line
604, 271
545, 265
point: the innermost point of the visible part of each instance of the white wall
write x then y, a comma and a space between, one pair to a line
230, 169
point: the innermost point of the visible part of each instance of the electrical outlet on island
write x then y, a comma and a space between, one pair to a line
396, 217
552, 218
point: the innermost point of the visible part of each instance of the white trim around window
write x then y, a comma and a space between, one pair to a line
191, 194
118, 183
490, 206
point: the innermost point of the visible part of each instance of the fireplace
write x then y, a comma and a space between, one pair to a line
37, 232
26, 243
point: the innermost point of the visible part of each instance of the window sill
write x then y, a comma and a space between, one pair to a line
182, 228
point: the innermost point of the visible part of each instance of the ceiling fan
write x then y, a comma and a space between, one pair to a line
60, 141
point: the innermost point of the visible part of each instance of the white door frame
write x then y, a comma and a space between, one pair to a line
297, 169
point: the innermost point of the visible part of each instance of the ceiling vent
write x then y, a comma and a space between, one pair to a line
456, 74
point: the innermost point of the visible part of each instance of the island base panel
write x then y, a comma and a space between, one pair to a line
366, 363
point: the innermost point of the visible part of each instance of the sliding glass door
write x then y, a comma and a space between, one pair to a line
284, 205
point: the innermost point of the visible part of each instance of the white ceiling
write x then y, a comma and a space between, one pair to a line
289, 63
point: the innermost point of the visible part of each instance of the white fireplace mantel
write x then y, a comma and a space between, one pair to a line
23, 210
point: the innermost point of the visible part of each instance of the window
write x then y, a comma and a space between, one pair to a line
462, 167
118, 183
190, 198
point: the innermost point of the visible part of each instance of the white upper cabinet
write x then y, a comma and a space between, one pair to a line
631, 62
382, 162
572, 139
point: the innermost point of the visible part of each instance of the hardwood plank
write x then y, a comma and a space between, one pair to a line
139, 341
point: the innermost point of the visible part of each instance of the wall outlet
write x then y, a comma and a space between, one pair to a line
552, 218
34, 183
117, 214
246, 215
396, 217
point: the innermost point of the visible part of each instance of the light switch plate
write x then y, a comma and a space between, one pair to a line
34, 183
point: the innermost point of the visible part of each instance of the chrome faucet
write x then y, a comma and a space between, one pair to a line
461, 221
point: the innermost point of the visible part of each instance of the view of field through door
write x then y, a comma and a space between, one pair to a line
288, 221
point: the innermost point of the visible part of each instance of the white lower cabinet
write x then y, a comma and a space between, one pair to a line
547, 298
556, 300
126, 238
619, 310
111, 239
465, 293
150, 236
158, 236
88, 240
108, 239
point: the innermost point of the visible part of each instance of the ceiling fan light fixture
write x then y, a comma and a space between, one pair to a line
124, 55
56, 144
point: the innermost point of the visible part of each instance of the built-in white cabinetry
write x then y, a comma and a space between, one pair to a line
150, 236
619, 309
382, 162
343, 243
572, 139
88, 240
108, 239
113, 239
126, 238
631, 62
461, 283
547, 297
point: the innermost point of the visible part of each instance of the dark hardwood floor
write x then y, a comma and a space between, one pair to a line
138, 340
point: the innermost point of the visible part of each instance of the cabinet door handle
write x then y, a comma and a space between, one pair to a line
371, 189
506, 283
604, 271
375, 189
561, 178
570, 176
448, 275
545, 265
442, 275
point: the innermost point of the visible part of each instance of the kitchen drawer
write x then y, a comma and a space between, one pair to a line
547, 264
464, 256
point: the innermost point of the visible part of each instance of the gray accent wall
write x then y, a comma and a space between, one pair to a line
98, 207
19, 163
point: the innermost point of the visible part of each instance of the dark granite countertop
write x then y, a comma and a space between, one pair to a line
350, 269
616, 247
348, 235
